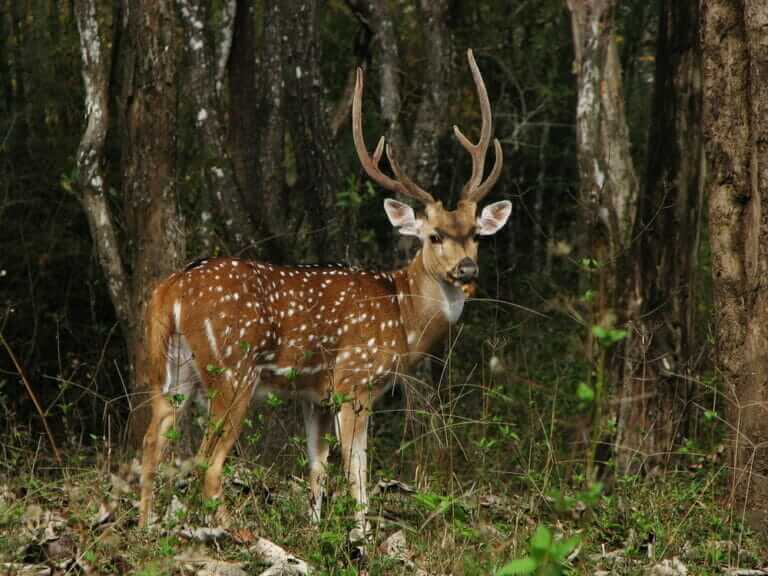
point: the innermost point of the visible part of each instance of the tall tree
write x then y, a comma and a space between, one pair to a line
155, 228
206, 69
319, 168
608, 190
155, 223
735, 71
271, 159
654, 413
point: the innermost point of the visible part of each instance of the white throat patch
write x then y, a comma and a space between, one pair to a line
453, 301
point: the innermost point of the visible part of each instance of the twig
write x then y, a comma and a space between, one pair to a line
31, 393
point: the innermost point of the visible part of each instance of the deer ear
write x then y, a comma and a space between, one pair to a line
402, 217
493, 217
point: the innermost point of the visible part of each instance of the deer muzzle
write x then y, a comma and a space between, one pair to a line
465, 271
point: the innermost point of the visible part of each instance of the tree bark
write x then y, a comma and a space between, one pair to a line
735, 72
607, 196
432, 123
378, 17
206, 70
243, 113
272, 147
155, 224
320, 174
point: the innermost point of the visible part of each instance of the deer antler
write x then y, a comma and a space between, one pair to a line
401, 183
475, 188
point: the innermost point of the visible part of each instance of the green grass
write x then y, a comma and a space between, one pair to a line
495, 448
450, 527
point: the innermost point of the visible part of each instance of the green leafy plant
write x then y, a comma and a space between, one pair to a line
607, 337
166, 546
172, 434
215, 370
273, 400
448, 507
547, 556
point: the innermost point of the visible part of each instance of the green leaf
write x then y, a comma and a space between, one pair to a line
428, 500
616, 335
525, 565
562, 548
585, 393
213, 369
599, 332
589, 264
273, 400
608, 337
541, 541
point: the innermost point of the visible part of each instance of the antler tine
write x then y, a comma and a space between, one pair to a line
402, 184
475, 188
479, 193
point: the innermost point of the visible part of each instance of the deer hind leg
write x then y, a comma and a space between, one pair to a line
227, 411
352, 421
179, 382
318, 422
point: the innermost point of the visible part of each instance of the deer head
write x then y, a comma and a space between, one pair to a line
449, 237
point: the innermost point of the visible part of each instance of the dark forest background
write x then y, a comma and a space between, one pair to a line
617, 335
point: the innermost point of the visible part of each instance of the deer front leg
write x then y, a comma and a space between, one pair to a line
353, 434
318, 422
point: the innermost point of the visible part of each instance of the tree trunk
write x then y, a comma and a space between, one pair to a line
607, 197
378, 17
155, 224
432, 122
274, 205
206, 70
735, 71
319, 168
654, 412
243, 113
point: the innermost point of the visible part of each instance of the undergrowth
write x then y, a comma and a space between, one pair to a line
490, 458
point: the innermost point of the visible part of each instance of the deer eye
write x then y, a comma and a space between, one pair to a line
435, 238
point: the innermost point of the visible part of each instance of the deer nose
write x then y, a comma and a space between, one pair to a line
466, 270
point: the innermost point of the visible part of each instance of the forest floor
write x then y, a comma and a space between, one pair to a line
82, 518
482, 472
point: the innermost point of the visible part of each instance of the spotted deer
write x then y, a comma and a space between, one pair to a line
226, 329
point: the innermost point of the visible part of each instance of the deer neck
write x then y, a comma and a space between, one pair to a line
428, 306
